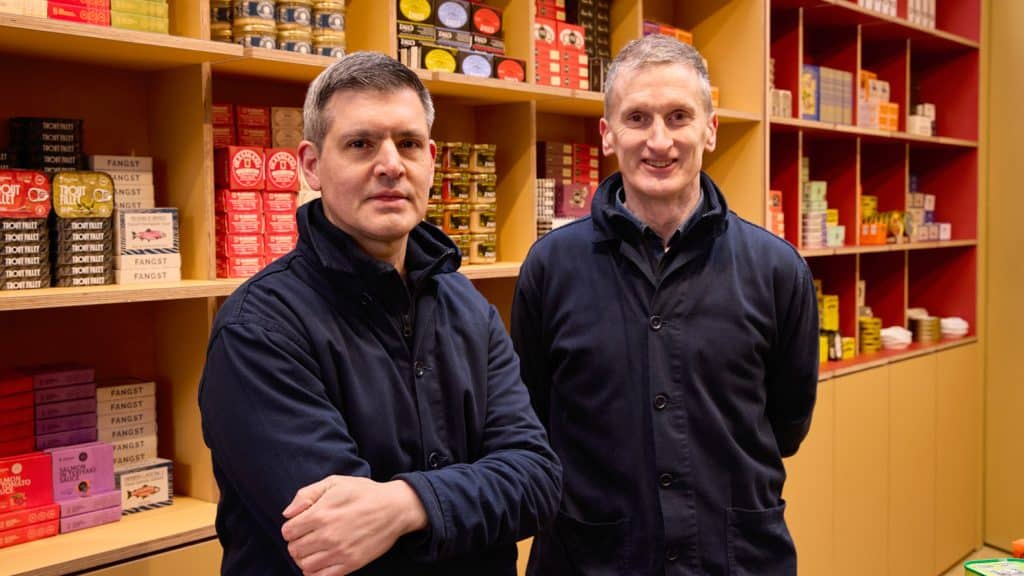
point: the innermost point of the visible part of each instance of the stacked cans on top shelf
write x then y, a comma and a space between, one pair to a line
304, 26
83, 203
24, 234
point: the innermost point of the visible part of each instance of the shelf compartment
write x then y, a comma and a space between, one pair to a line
834, 160
952, 176
74, 42
951, 83
784, 176
883, 357
187, 521
838, 276
871, 249
885, 281
814, 126
883, 174
944, 282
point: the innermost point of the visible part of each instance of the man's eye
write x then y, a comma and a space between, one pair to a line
635, 117
410, 144
358, 144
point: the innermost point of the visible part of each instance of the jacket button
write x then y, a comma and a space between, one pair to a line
672, 554
660, 402
419, 369
655, 322
665, 480
434, 460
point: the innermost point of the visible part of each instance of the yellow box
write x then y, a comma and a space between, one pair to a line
849, 347
823, 348
832, 216
830, 312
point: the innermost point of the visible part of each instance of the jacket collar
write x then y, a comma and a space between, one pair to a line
428, 252
608, 220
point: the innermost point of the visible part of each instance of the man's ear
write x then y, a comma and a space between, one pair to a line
309, 159
712, 132
607, 137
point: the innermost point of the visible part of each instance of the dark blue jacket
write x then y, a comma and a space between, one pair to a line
325, 363
670, 398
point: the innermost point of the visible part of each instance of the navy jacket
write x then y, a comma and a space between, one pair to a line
670, 399
324, 364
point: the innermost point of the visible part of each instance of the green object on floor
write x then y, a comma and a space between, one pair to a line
996, 567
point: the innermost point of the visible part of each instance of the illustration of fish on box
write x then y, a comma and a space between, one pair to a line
147, 231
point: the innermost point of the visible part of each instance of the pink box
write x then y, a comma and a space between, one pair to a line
65, 423
68, 438
90, 519
25, 516
68, 408
60, 375
63, 393
91, 503
82, 470
26, 481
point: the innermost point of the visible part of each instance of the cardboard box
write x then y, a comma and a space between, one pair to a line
82, 470
282, 170
240, 168
26, 481
148, 484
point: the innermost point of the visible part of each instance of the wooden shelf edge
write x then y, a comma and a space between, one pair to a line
187, 521
491, 271
883, 357
874, 248
113, 294
32, 36
830, 127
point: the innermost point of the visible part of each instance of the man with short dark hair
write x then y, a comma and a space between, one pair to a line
670, 348
361, 400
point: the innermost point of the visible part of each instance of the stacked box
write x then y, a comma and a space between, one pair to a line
252, 126
835, 94
127, 419
776, 216
17, 415
27, 511
96, 12
146, 485
463, 199
239, 216
24, 233
814, 214
83, 485
82, 238
50, 145
782, 103
545, 205
140, 15
223, 119
132, 176
560, 55
65, 407
575, 168
285, 127
921, 13
279, 202
146, 246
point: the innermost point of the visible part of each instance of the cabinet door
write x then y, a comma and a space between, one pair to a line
808, 490
958, 456
203, 558
912, 466
862, 472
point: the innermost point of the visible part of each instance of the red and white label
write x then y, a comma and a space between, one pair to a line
282, 170
24, 194
240, 168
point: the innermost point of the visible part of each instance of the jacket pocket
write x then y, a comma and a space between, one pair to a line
759, 543
594, 548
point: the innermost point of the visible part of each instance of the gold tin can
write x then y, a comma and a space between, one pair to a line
483, 218
456, 219
483, 248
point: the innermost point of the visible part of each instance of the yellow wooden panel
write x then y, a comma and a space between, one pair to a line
809, 489
738, 166
912, 466
524, 555
1004, 276
371, 25
958, 458
201, 558
861, 472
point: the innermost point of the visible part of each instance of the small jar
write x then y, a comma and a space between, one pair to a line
294, 13
328, 43
483, 249
221, 12
434, 194
456, 156
462, 243
435, 215
483, 218
221, 32
326, 18
455, 188
261, 9
300, 41
255, 33
456, 219
483, 188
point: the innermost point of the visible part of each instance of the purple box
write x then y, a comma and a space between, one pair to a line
64, 393
69, 408
69, 438
90, 503
90, 519
63, 424
82, 470
60, 375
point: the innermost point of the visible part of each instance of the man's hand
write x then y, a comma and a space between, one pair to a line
341, 523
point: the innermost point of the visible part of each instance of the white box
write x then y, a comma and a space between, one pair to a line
920, 125
146, 275
134, 451
130, 178
929, 202
130, 405
119, 419
145, 485
105, 163
124, 389
945, 230
129, 432
148, 261
145, 231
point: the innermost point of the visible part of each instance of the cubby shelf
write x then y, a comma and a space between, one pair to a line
869, 249
868, 134
114, 294
883, 357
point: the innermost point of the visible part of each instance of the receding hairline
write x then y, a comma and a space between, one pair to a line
634, 66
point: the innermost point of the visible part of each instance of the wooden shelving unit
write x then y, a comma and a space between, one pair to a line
151, 94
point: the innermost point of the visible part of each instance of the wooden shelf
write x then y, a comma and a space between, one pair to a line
840, 130
882, 357
491, 271
876, 26
73, 42
113, 294
868, 249
274, 64
187, 521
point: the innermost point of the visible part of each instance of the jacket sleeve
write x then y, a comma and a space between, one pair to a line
269, 423
530, 341
512, 490
793, 372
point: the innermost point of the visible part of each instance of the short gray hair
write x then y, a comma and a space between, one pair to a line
371, 71
652, 50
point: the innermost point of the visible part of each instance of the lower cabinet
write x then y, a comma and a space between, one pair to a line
202, 558
888, 481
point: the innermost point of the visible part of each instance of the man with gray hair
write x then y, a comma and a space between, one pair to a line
670, 348
361, 400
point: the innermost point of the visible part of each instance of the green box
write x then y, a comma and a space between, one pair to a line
995, 567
